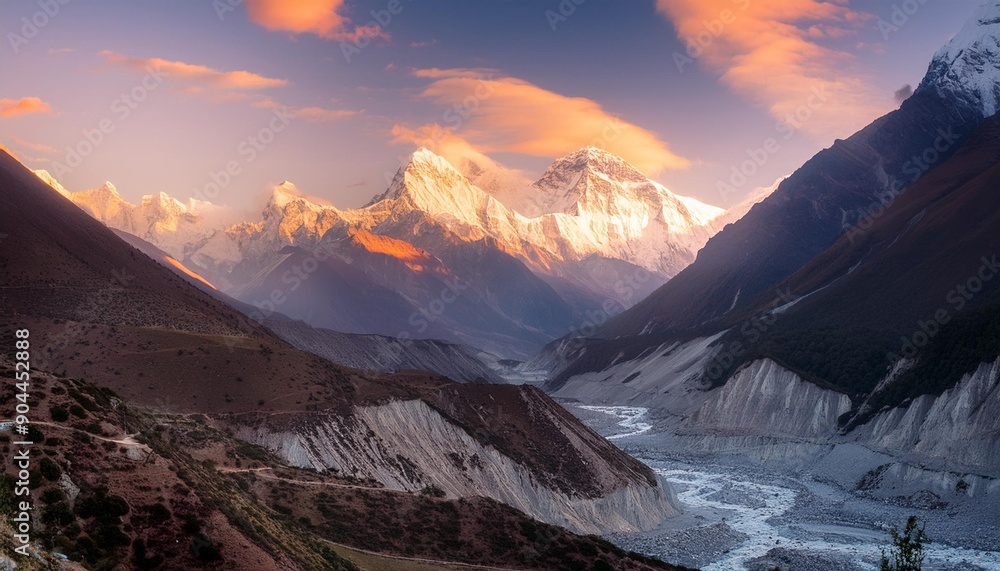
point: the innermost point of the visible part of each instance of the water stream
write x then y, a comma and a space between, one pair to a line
759, 512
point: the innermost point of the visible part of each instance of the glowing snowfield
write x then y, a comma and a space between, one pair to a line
759, 511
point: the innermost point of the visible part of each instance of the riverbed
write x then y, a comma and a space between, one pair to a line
738, 517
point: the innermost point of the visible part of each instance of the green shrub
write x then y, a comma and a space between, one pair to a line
432, 491
907, 552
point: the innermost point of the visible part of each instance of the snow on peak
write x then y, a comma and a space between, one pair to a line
590, 202
423, 176
107, 188
968, 67
597, 161
285, 193
163, 203
425, 161
594, 180
51, 181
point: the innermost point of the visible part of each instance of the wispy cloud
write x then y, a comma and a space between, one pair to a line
779, 53
464, 72
198, 77
423, 44
23, 106
507, 114
313, 114
35, 146
320, 17
61, 51
322, 115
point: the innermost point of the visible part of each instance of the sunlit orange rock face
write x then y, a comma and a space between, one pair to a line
416, 259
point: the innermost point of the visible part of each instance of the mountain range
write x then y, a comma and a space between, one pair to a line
851, 319
435, 256
166, 352
309, 385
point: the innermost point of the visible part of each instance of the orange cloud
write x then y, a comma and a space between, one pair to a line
311, 114
467, 72
511, 115
23, 106
35, 146
440, 140
198, 76
319, 17
770, 51
322, 115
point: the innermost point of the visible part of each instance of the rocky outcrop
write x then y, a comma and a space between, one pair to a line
409, 445
944, 445
961, 427
764, 398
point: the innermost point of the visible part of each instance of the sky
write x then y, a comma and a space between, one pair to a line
220, 100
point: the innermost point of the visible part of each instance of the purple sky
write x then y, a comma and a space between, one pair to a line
339, 99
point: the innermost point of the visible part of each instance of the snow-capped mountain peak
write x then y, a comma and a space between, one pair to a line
425, 156
428, 182
286, 193
592, 180
968, 67
589, 203
107, 189
179, 229
51, 181
163, 204
596, 205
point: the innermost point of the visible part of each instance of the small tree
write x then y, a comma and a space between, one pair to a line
907, 553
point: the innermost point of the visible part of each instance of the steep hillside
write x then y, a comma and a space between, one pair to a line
922, 271
119, 484
160, 342
386, 354
834, 190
